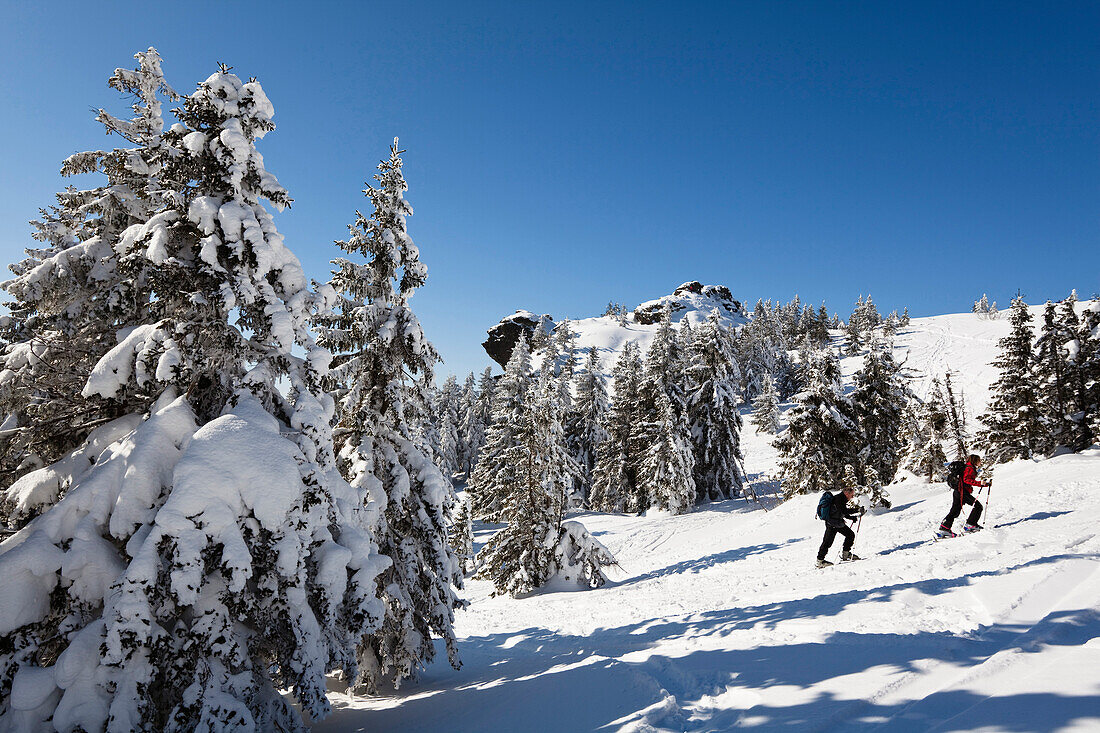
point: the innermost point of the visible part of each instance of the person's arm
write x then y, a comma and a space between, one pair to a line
970, 477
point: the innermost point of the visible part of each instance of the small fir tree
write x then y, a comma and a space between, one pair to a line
496, 469
1013, 427
713, 418
821, 433
585, 429
926, 423
386, 367
614, 478
665, 474
879, 399
765, 408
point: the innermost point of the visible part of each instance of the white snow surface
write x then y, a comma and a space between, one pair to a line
718, 620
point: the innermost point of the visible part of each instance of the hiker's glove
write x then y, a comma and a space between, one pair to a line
862, 510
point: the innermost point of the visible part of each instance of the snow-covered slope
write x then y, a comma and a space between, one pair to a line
718, 620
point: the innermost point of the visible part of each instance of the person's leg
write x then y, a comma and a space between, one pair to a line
956, 509
849, 537
826, 542
975, 513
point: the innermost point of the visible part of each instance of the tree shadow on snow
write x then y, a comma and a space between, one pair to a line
1033, 517
699, 564
541, 680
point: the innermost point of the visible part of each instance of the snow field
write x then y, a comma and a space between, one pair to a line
718, 619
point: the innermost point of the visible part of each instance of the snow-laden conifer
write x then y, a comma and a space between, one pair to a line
73, 293
954, 406
821, 435
879, 400
1013, 427
446, 414
462, 537
386, 366
614, 476
666, 472
586, 425
663, 375
496, 468
1053, 375
212, 558
467, 405
1082, 382
925, 424
713, 418
765, 408
477, 420
525, 554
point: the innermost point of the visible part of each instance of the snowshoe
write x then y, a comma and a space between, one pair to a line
943, 534
849, 557
968, 528
823, 563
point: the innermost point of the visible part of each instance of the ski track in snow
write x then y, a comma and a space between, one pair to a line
718, 619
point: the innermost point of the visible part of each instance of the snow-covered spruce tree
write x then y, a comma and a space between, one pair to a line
868, 487
467, 404
446, 414
904, 320
477, 421
540, 337
925, 425
761, 350
496, 468
1054, 380
585, 427
614, 477
212, 557
855, 328
1013, 425
876, 492
765, 408
821, 435
537, 543
70, 297
955, 408
879, 400
1088, 360
462, 537
1081, 351
386, 365
713, 418
664, 375
666, 471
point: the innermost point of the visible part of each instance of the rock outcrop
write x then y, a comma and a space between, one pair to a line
691, 295
503, 336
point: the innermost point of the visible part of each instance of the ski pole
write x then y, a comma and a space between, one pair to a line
988, 501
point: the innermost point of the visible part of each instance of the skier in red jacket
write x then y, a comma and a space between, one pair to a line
964, 494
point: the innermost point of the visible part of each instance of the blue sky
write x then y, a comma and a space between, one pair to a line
563, 155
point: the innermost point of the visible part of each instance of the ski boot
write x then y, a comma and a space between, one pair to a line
943, 533
823, 563
849, 557
968, 528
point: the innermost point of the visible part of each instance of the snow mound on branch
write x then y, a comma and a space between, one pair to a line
42, 487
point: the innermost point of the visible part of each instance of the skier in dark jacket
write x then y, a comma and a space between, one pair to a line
839, 511
964, 494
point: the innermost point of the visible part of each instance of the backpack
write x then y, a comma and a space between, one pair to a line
955, 471
823, 505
